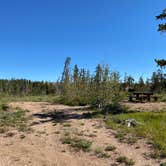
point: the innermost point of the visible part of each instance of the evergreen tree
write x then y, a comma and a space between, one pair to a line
161, 63
98, 74
76, 74
162, 16
161, 28
66, 71
66, 76
141, 84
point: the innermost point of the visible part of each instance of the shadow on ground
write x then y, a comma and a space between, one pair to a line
63, 115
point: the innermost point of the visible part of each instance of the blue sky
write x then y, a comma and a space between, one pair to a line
37, 35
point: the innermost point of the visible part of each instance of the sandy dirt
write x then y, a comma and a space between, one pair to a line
152, 107
43, 146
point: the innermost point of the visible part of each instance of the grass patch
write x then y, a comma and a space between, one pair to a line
110, 148
12, 118
72, 131
120, 136
78, 143
153, 127
162, 97
39, 98
131, 140
125, 160
15, 119
163, 164
101, 154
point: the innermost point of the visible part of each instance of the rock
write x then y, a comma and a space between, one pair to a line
131, 122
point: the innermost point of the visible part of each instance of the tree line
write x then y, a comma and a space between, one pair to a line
155, 84
80, 87
23, 87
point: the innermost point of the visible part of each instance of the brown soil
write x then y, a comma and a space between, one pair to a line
43, 146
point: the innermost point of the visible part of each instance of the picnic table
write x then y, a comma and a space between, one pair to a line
143, 96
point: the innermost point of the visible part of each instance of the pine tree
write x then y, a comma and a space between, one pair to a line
161, 63
141, 84
162, 16
66, 76
76, 74
98, 75
66, 70
161, 28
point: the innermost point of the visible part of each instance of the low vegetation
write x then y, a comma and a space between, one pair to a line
162, 97
152, 126
12, 118
30, 98
163, 164
110, 148
100, 153
125, 160
78, 143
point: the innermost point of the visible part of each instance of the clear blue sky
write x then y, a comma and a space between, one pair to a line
37, 35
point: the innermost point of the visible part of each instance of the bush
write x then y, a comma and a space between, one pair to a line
78, 143
114, 108
110, 148
4, 107
125, 160
99, 153
162, 98
73, 101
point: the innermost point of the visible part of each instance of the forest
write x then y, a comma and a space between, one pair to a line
79, 86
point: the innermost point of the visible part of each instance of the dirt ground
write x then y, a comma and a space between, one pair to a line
153, 107
43, 146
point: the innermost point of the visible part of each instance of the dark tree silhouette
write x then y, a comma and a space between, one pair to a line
161, 63
162, 28
162, 16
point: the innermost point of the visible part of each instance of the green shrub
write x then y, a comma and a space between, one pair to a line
110, 148
131, 140
163, 164
99, 153
4, 107
120, 136
114, 108
162, 97
125, 160
78, 143
13, 118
